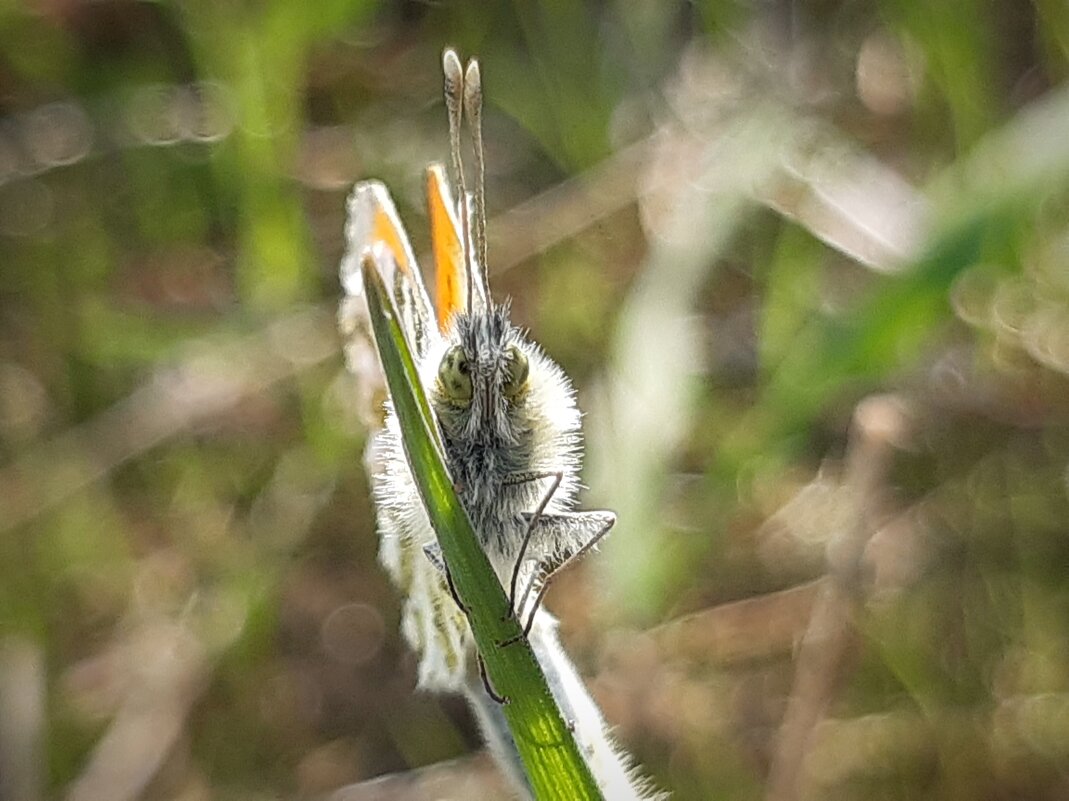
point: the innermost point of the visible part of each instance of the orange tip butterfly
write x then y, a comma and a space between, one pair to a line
506, 412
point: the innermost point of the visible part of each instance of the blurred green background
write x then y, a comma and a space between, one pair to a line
731, 223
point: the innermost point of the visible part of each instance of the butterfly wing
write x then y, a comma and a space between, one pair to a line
450, 267
432, 624
373, 224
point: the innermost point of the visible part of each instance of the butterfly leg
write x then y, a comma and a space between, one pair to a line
494, 695
531, 525
588, 528
433, 552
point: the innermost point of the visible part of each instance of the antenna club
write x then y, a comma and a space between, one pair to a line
473, 83
451, 68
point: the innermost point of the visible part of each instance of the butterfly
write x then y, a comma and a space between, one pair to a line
506, 412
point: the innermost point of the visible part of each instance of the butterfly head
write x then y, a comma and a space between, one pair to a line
484, 378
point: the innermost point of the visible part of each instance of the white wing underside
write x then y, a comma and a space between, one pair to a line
430, 621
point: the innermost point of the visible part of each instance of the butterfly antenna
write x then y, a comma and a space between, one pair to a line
454, 104
473, 107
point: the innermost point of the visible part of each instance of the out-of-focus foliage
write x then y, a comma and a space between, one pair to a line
739, 222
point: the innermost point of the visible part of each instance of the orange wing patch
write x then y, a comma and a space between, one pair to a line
373, 218
373, 223
450, 294
384, 228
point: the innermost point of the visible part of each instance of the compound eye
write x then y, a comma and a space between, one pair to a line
516, 371
454, 374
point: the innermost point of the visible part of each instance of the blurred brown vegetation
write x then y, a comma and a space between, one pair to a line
807, 263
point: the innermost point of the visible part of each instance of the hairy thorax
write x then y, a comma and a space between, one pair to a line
488, 470
509, 425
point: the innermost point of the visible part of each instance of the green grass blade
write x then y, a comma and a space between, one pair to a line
554, 764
